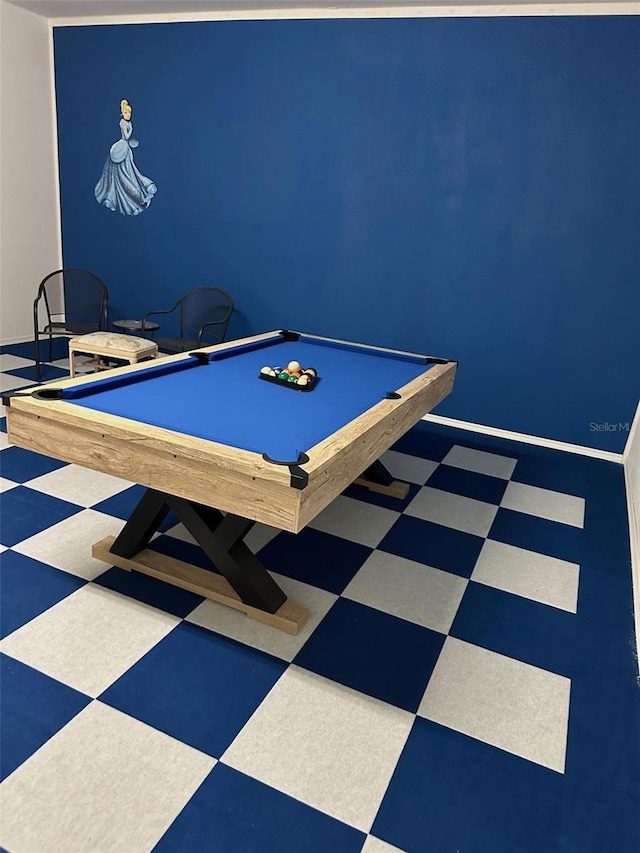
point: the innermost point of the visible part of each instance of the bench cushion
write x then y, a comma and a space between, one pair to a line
124, 343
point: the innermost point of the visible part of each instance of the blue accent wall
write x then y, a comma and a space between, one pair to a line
466, 187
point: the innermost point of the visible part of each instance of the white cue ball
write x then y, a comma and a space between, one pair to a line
293, 366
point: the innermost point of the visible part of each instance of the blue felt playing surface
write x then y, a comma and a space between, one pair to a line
226, 402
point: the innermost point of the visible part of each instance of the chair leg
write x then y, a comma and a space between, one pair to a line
37, 359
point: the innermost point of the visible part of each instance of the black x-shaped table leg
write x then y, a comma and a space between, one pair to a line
220, 537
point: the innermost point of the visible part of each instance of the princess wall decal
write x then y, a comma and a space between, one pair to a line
122, 186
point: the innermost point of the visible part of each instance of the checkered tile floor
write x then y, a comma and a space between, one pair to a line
466, 682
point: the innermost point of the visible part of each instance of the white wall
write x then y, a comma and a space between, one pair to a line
29, 209
631, 461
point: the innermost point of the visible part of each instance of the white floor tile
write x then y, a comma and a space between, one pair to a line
411, 469
480, 461
79, 485
90, 638
331, 747
5, 484
556, 506
375, 845
231, 623
259, 535
10, 383
356, 520
528, 574
501, 701
14, 362
2, 548
81, 361
409, 590
4, 442
67, 545
450, 510
105, 783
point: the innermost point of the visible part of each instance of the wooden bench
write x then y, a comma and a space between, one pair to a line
109, 345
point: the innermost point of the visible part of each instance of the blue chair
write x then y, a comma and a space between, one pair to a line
75, 302
204, 316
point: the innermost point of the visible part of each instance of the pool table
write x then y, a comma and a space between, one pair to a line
223, 449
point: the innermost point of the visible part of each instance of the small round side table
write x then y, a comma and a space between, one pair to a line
132, 326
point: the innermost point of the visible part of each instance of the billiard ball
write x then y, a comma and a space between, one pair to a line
304, 380
283, 375
293, 366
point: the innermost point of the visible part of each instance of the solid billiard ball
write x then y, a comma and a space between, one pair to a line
283, 375
293, 366
267, 371
304, 380
292, 378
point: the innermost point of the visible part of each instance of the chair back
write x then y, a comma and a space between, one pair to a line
205, 314
75, 297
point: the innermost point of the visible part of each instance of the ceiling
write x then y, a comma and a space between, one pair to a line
93, 8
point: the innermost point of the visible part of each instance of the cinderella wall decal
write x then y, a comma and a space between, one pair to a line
122, 186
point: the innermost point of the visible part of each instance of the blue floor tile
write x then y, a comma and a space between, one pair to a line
34, 707
196, 686
537, 534
434, 545
22, 465
47, 372
425, 442
450, 792
124, 503
3, 424
468, 483
233, 813
373, 652
561, 473
315, 558
28, 588
27, 349
26, 512
517, 627
155, 593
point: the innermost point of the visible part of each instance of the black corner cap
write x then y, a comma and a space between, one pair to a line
299, 478
290, 336
203, 357
19, 392
430, 359
392, 395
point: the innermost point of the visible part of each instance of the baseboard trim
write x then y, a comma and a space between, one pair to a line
632, 470
537, 441
634, 536
6, 342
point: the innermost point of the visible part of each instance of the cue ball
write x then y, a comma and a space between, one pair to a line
293, 366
